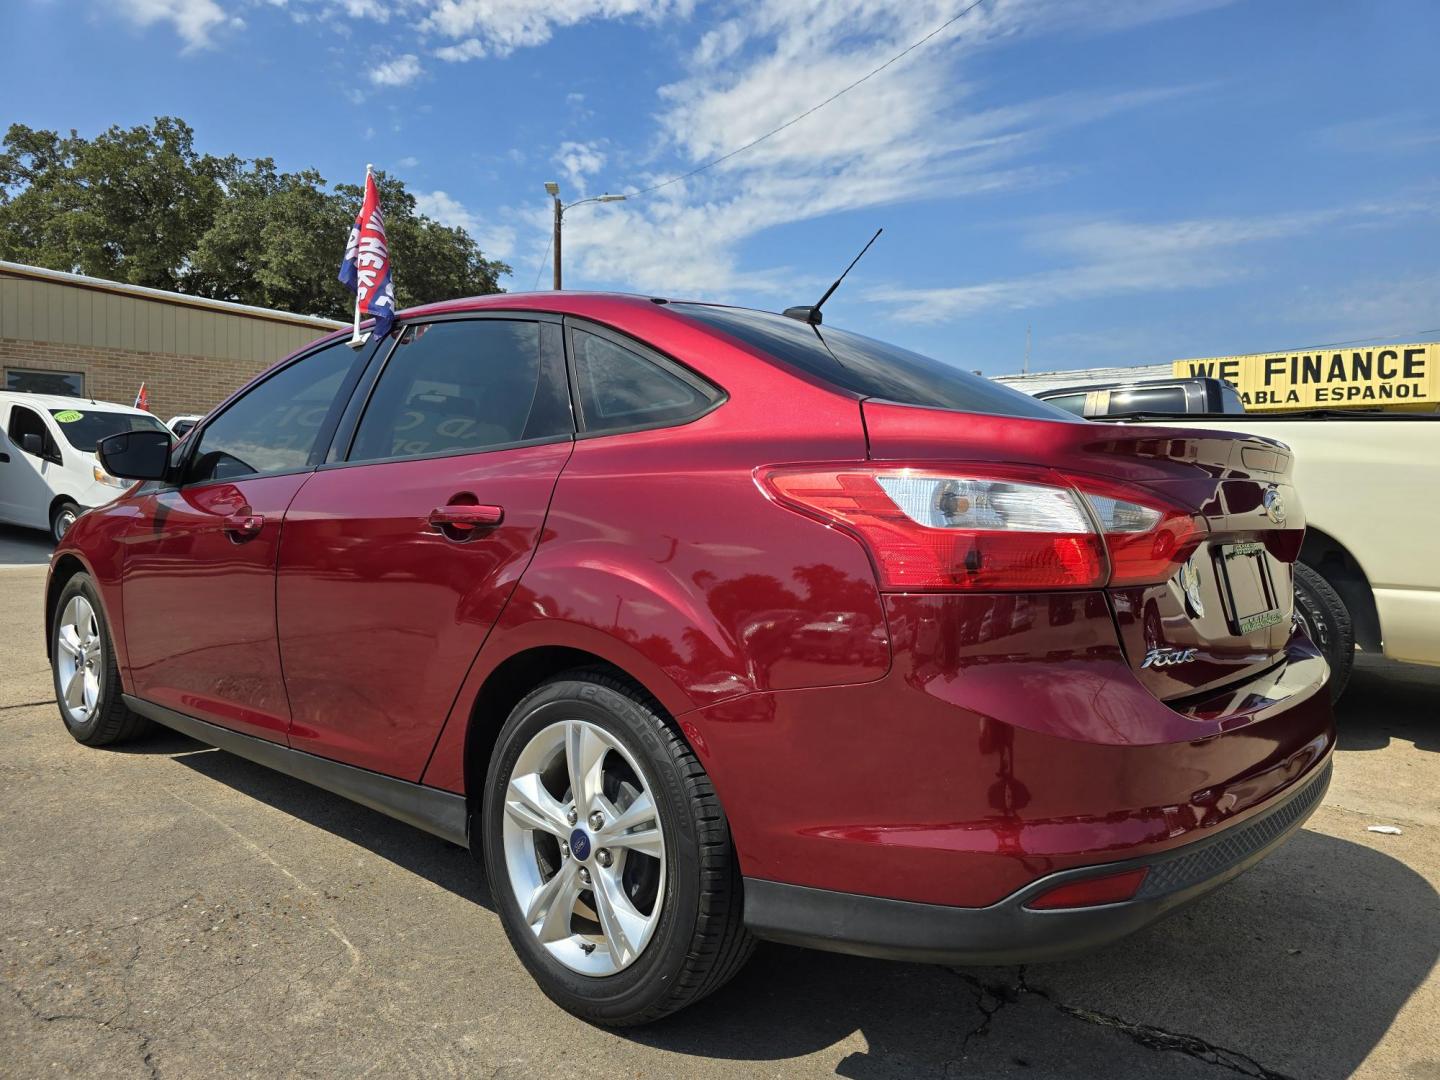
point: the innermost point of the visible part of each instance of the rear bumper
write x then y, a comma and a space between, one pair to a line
1008, 932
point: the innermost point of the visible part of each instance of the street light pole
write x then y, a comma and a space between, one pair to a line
553, 190
559, 217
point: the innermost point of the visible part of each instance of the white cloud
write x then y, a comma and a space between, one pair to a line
914, 131
482, 28
579, 160
408, 162
496, 241
1398, 133
398, 72
196, 21
1115, 258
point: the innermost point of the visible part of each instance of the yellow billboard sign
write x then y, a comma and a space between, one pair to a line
1383, 376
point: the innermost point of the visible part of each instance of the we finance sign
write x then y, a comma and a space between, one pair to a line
1384, 375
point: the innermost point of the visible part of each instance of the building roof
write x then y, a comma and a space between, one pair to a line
83, 281
1036, 381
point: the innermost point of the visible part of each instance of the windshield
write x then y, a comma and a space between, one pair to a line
868, 367
83, 429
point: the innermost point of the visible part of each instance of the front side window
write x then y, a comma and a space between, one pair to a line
458, 386
273, 428
868, 367
82, 428
621, 389
24, 422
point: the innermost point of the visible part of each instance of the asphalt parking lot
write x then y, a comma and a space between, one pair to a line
167, 910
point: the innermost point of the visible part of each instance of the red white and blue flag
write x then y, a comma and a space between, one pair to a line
366, 267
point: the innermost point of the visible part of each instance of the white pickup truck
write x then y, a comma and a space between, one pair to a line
1370, 567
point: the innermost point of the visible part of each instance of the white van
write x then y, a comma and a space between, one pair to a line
48, 471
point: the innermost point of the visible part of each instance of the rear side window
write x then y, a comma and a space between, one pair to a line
453, 387
867, 367
620, 389
274, 426
1071, 403
1169, 400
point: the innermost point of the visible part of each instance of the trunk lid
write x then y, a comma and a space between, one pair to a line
1225, 614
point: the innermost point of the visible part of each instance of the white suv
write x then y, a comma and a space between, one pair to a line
48, 471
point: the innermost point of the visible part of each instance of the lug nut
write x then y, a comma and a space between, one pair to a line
603, 857
571, 816
585, 875
597, 821
564, 850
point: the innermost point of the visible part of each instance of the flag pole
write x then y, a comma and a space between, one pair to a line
355, 339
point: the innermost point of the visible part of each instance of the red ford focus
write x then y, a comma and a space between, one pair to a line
702, 625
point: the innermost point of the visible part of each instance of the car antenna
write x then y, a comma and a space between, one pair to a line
811, 314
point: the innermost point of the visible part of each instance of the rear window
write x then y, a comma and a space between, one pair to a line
1169, 400
83, 429
868, 367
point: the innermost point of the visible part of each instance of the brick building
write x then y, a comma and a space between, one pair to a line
70, 334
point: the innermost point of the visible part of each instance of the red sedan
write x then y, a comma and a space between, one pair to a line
701, 624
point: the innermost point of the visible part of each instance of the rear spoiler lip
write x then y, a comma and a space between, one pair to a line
1144, 454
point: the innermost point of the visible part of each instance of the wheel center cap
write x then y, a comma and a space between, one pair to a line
580, 844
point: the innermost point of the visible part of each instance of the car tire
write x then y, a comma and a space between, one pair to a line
81, 649
1325, 618
691, 938
62, 517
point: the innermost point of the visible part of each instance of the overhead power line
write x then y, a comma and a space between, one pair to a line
814, 108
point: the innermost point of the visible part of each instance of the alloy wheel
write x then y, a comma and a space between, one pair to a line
584, 847
78, 659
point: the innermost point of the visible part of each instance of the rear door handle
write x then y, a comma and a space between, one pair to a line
244, 526
461, 519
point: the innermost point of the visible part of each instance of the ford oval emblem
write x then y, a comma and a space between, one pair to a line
1275, 506
580, 844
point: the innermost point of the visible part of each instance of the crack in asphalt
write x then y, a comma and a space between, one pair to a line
990, 999
143, 1038
25, 704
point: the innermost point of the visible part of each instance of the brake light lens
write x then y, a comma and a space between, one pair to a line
954, 531
996, 528
1147, 541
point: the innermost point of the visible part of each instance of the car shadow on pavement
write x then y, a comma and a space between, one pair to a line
1386, 700
1298, 968
24, 547
426, 856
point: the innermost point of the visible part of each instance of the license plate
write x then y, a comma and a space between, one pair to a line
1248, 588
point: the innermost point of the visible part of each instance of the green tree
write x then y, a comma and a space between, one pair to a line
142, 206
128, 205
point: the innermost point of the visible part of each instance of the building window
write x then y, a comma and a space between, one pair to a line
28, 381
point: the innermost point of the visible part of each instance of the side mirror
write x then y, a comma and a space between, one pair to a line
32, 443
135, 455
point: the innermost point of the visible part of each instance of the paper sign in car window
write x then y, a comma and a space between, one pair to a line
69, 416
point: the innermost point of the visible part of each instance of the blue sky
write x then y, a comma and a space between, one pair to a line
1136, 180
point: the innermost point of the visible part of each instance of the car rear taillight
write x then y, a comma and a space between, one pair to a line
993, 527
1147, 539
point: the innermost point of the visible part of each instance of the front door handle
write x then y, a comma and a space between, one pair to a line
459, 520
244, 526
